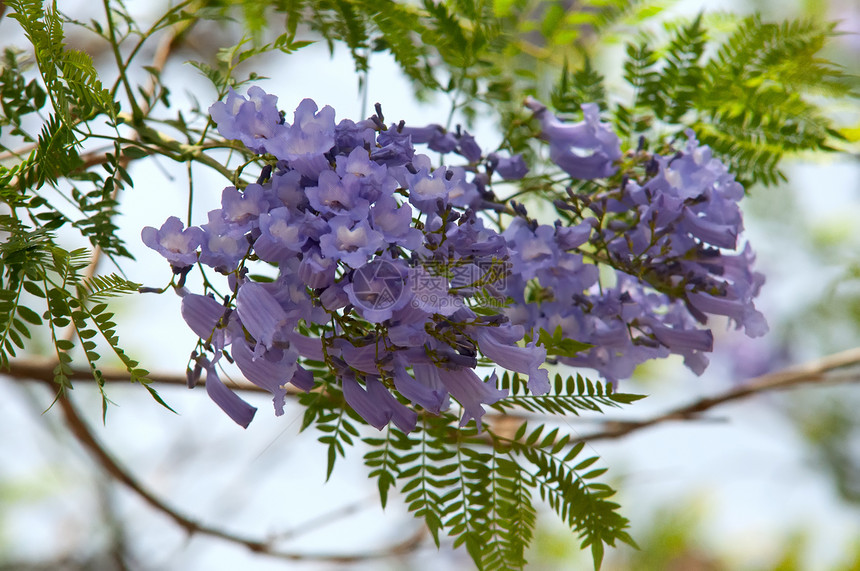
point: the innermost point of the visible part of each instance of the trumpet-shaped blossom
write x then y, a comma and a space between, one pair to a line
350, 242
255, 121
177, 245
271, 370
469, 390
510, 168
584, 150
306, 141
375, 404
236, 408
499, 345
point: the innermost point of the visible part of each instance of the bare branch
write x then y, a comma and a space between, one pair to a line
43, 370
833, 369
822, 371
118, 472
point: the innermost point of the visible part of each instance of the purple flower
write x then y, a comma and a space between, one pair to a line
286, 185
532, 250
334, 297
461, 192
584, 150
468, 147
203, 315
424, 389
469, 390
395, 223
375, 404
224, 244
568, 277
406, 328
308, 139
379, 288
430, 291
270, 371
374, 180
570, 237
743, 314
688, 342
499, 345
308, 347
350, 135
393, 148
171, 241
361, 358
470, 237
303, 379
255, 121
281, 237
316, 270
338, 196
261, 314
510, 168
242, 209
350, 242
434, 136
240, 411
710, 229
426, 189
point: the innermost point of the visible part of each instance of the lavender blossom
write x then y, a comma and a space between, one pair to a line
255, 121
223, 244
584, 150
236, 408
271, 370
375, 404
178, 246
509, 168
261, 314
469, 390
350, 242
307, 140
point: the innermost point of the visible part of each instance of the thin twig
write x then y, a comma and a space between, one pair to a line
323, 520
43, 370
118, 472
162, 54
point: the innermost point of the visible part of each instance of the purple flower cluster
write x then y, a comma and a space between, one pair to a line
330, 214
668, 229
390, 274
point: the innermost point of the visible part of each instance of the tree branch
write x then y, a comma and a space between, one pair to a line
820, 371
118, 472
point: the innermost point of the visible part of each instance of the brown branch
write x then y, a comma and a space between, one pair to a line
821, 371
118, 472
818, 371
43, 370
